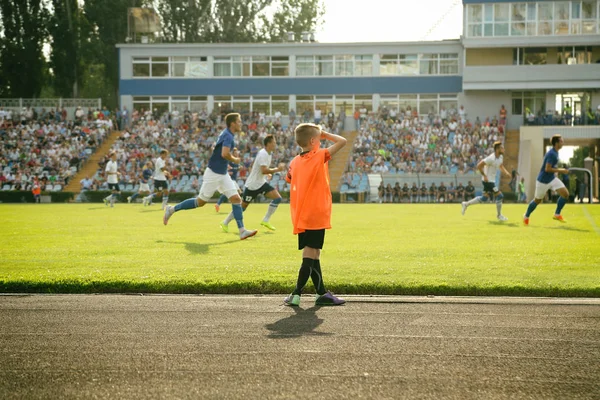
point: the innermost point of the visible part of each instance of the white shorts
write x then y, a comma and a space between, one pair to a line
542, 188
144, 187
213, 182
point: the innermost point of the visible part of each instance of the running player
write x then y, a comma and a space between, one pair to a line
217, 178
144, 189
488, 167
547, 180
112, 178
257, 183
161, 185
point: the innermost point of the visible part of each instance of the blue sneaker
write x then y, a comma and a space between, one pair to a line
328, 299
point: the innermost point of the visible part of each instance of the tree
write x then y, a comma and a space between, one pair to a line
237, 21
107, 27
65, 57
23, 32
579, 154
294, 16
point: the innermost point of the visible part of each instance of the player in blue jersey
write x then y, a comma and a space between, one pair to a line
547, 180
144, 189
217, 178
233, 172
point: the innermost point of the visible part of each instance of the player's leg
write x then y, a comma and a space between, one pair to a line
246, 200
562, 200
499, 199
479, 199
228, 187
165, 197
221, 200
540, 192
275, 197
209, 186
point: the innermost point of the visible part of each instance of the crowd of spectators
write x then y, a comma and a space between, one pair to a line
393, 141
46, 147
190, 138
442, 193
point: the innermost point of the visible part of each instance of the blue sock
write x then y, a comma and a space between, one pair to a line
530, 209
238, 215
134, 196
186, 204
222, 199
559, 205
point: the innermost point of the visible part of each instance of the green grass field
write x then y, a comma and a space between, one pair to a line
372, 249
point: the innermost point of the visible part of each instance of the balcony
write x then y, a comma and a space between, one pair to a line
532, 77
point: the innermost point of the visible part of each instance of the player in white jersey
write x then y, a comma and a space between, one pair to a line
488, 168
161, 185
112, 178
256, 183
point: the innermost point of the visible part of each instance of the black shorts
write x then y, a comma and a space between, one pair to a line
114, 187
490, 187
250, 195
314, 239
161, 185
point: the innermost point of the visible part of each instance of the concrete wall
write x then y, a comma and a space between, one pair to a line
478, 57
485, 104
532, 77
531, 155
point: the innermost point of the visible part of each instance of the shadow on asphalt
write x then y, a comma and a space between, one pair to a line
301, 323
198, 248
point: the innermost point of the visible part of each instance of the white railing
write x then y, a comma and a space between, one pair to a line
50, 103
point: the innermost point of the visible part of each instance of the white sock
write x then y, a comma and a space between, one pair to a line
475, 200
272, 208
228, 219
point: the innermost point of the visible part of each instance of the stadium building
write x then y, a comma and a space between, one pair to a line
535, 57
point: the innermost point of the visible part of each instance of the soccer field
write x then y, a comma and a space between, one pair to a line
372, 249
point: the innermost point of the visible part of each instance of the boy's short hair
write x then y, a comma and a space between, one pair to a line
304, 132
164, 151
497, 144
230, 118
268, 139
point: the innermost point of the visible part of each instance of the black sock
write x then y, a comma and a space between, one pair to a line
303, 275
317, 278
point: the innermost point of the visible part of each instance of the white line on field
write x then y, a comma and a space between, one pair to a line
589, 218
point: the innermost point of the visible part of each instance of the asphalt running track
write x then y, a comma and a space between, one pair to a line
246, 347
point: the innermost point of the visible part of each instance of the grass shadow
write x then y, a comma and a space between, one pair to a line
300, 323
198, 248
147, 211
570, 228
508, 224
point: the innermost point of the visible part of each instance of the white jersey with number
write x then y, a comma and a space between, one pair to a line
492, 164
111, 172
159, 174
256, 178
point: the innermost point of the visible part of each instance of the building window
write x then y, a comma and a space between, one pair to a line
305, 66
344, 65
324, 65
141, 67
280, 66
261, 66
363, 65
428, 64
542, 18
